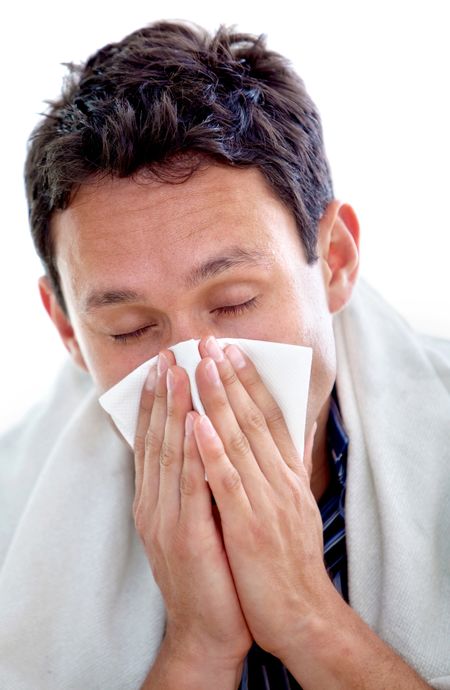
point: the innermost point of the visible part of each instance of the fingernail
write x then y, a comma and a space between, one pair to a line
235, 356
163, 364
212, 373
213, 349
207, 426
170, 381
189, 424
151, 379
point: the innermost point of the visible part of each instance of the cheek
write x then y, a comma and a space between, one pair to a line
304, 319
106, 363
323, 368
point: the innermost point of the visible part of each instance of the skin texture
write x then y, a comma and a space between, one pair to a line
173, 262
149, 237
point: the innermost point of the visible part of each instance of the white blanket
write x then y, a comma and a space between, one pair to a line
79, 609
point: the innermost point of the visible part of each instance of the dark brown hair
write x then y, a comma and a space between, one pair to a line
169, 89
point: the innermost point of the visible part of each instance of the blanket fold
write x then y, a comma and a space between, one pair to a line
394, 395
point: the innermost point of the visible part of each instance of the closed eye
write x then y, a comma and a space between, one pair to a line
228, 310
123, 337
236, 309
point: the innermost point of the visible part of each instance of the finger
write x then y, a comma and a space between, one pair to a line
251, 380
236, 443
155, 432
178, 405
250, 418
223, 477
195, 495
145, 409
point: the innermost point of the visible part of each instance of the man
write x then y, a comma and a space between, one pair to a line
179, 189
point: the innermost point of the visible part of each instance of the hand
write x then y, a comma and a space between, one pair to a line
175, 520
271, 524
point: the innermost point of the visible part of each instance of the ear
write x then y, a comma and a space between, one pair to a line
61, 321
338, 248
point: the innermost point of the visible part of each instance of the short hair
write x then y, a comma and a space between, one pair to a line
171, 89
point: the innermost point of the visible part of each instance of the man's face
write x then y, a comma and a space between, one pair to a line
146, 264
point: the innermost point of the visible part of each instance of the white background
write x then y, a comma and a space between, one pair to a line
379, 73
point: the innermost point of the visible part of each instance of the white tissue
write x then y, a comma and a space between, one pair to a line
285, 369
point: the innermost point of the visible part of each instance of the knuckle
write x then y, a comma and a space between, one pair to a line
167, 454
170, 410
216, 453
160, 395
274, 415
239, 444
187, 485
152, 442
252, 382
254, 420
221, 403
232, 481
229, 378
139, 445
146, 402
293, 461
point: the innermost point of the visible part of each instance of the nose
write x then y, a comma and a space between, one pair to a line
187, 327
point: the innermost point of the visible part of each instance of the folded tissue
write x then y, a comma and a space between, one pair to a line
285, 369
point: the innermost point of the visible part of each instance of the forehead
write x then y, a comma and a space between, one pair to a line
129, 228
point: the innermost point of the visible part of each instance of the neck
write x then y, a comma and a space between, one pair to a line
320, 476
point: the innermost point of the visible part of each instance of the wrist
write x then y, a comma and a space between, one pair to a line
173, 670
345, 654
325, 653
305, 625
202, 663
324, 641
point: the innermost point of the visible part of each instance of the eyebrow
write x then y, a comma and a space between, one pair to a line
210, 268
106, 298
216, 265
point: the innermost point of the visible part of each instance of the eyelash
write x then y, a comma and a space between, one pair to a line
124, 337
237, 309
233, 310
